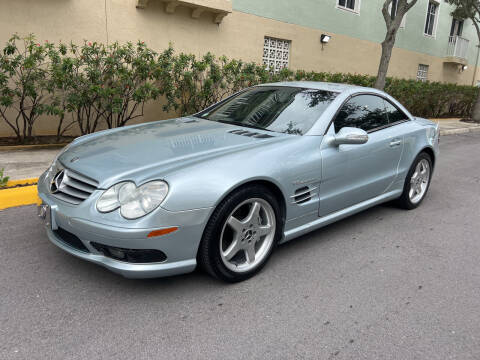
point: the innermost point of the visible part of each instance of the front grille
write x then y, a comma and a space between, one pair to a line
72, 187
136, 256
70, 239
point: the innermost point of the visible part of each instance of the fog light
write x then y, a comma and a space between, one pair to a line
117, 253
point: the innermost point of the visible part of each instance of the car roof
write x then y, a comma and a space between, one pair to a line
327, 86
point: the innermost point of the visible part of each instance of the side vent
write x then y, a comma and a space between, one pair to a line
302, 195
250, 134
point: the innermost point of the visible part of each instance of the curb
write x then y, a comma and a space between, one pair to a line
32, 147
24, 195
459, 131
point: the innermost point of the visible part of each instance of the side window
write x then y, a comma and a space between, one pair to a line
393, 113
366, 112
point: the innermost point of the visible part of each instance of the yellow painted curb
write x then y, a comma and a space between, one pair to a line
25, 195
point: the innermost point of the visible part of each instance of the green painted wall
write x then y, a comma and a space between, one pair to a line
368, 25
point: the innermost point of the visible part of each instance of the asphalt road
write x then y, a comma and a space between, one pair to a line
384, 284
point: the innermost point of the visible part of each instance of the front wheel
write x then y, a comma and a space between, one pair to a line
417, 182
241, 234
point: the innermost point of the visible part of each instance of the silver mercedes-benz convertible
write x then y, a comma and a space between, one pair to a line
223, 187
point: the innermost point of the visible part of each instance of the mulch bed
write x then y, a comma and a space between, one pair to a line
37, 140
471, 121
18, 185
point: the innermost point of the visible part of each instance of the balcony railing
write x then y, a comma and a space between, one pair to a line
457, 47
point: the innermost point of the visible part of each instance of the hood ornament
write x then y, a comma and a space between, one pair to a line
76, 158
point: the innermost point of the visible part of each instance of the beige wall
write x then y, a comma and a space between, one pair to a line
240, 35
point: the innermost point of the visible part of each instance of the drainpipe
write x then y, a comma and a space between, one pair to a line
476, 64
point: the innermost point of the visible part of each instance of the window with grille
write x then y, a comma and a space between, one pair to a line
352, 5
422, 72
431, 21
392, 9
276, 53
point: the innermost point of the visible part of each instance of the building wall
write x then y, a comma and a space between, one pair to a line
368, 24
354, 47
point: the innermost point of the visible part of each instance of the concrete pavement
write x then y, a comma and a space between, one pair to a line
455, 126
383, 284
26, 163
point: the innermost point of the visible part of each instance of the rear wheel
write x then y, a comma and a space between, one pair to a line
241, 234
417, 182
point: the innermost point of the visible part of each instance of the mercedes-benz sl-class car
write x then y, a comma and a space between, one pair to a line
221, 188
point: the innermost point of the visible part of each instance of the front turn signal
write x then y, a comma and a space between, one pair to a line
162, 232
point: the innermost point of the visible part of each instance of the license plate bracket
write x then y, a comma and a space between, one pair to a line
44, 212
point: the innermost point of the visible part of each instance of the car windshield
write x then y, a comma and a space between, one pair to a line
290, 110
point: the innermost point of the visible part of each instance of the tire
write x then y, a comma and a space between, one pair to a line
406, 200
237, 242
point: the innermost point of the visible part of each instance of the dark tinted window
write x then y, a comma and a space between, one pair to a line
366, 112
394, 115
290, 110
347, 3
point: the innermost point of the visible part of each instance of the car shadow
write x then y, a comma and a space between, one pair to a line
329, 232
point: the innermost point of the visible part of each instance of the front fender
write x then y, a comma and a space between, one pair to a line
283, 164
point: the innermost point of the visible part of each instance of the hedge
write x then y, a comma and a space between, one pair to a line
95, 85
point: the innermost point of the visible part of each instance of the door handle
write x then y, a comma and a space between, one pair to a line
395, 143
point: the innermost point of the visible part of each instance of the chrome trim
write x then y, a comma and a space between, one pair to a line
304, 192
305, 200
70, 186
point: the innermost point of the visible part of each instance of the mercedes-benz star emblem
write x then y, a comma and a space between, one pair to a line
56, 184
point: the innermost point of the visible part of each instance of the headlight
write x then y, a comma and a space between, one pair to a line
133, 201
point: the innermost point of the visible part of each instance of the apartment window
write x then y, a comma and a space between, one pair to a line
457, 27
393, 12
422, 72
431, 21
276, 53
351, 5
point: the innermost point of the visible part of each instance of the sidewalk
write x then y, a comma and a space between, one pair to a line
26, 163
455, 126
31, 163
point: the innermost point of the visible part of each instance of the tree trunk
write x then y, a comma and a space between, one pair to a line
387, 47
59, 128
476, 109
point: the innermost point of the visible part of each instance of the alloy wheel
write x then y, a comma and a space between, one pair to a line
419, 181
247, 235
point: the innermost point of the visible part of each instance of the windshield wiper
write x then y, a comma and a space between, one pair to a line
242, 124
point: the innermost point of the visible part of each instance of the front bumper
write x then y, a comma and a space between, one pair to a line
128, 270
180, 247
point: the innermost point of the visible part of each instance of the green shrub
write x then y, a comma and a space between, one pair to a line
24, 87
3, 179
198, 83
95, 85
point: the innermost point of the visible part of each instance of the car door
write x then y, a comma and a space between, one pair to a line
355, 173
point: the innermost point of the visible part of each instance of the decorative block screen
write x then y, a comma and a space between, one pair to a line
422, 72
276, 53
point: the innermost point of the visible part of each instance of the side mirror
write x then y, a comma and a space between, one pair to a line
350, 135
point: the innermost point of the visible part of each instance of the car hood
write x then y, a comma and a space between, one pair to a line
141, 151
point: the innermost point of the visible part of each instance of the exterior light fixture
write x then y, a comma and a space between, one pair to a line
324, 38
